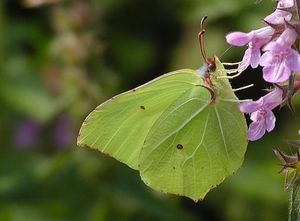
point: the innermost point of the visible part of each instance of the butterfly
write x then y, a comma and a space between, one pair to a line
182, 131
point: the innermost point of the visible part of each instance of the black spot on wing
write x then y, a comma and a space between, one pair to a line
179, 146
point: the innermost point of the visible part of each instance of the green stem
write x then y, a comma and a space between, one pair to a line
1, 59
297, 5
1, 34
294, 210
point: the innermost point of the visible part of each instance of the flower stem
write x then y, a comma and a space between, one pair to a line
297, 6
294, 210
1, 34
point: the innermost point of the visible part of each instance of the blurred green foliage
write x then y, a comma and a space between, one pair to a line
59, 60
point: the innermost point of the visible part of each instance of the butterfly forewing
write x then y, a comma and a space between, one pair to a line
119, 126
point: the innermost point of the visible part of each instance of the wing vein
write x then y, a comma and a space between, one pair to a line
201, 141
162, 156
181, 126
222, 133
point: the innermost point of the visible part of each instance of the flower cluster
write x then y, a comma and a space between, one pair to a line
272, 48
261, 113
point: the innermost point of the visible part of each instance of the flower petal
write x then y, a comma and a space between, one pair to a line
282, 4
238, 38
270, 121
287, 38
270, 46
272, 99
256, 116
278, 17
246, 61
276, 73
250, 106
265, 59
256, 130
293, 60
263, 33
255, 56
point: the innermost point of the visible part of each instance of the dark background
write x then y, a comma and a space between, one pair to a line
58, 61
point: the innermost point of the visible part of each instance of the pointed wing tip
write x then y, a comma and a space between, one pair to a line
199, 200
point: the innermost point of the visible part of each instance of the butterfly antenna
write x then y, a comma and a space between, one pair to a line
225, 51
201, 42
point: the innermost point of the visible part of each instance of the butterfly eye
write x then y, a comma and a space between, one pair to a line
211, 67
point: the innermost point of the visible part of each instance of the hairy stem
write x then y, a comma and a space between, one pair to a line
297, 6
1, 33
294, 210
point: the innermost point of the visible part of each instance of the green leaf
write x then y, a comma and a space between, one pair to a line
22, 91
26, 97
181, 140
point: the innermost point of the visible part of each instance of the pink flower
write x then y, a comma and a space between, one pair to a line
281, 14
255, 40
285, 4
261, 113
280, 59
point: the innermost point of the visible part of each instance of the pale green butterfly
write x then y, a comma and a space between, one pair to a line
182, 130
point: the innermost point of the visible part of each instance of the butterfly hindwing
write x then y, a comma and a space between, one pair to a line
194, 145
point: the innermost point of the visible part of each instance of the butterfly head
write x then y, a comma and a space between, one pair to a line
212, 72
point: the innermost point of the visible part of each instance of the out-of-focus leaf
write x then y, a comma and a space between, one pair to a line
22, 91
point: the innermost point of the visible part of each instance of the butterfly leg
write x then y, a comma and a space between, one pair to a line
231, 76
236, 100
243, 88
231, 71
231, 64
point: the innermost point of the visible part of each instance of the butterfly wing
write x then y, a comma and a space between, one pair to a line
118, 127
195, 144
171, 131
207, 145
